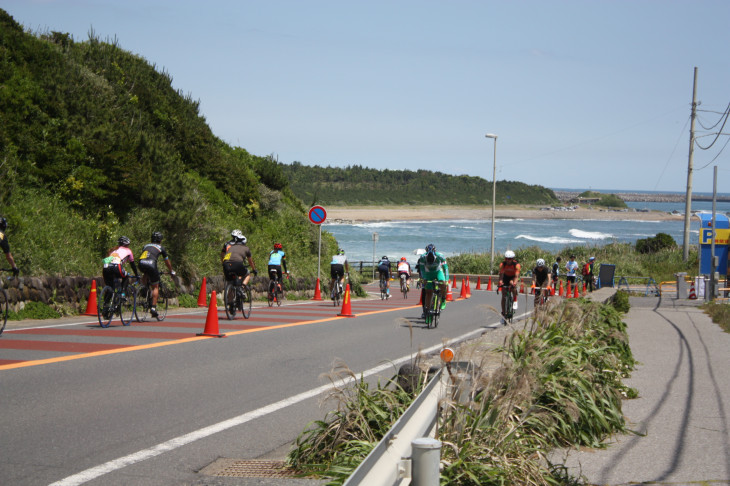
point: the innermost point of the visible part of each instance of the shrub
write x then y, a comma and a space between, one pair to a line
34, 310
187, 300
653, 245
620, 301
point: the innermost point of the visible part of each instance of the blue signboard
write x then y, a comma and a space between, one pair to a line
721, 233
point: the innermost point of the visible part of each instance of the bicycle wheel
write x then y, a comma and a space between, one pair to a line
432, 311
382, 289
244, 301
105, 312
128, 304
229, 299
278, 295
337, 295
144, 302
272, 293
404, 287
162, 297
3, 309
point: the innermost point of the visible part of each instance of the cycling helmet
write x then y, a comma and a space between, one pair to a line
430, 248
509, 254
384, 257
341, 251
277, 246
403, 259
591, 259
123, 241
156, 237
3, 223
540, 262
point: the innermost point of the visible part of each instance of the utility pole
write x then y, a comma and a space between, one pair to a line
688, 202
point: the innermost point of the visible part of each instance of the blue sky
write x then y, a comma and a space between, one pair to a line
582, 94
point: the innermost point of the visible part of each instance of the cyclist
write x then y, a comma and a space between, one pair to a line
432, 266
148, 264
114, 265
5, 246
509, 274
556, 272
233, 257
404, 268
384, 272
277, 260
338, 267
543, 278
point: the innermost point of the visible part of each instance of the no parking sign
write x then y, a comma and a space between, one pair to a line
317, 215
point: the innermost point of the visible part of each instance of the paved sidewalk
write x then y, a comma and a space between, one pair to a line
682, 410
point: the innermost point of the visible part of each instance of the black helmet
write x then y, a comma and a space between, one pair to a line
156, 237
385, 257
430, 248
3, 223
123, 241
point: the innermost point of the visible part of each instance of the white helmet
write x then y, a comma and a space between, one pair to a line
540, 262
509, 254
238, 236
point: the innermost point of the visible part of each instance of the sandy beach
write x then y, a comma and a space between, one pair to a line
346, 214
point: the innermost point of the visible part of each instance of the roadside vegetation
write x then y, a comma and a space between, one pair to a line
559, 385
720, 314
605, 200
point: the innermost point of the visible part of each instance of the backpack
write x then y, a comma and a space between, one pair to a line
587, 269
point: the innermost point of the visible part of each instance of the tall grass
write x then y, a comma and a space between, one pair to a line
559, 385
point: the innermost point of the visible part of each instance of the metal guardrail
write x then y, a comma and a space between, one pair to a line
388, 464
651, 286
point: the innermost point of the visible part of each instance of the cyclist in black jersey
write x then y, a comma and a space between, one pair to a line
148, 264
543, 277
5, 246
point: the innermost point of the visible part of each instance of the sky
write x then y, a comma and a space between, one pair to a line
581, 94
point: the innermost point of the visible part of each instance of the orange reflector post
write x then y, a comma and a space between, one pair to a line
447, 355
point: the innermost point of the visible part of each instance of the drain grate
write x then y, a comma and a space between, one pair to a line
237, 468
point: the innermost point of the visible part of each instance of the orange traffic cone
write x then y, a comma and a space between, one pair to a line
479, 284
468, 287
91, 307
584, 288
575, 292
346, 304
561, 293
567, 291
532, 288
453, 285
489, 284
692, 293
463, 290
552, 291
211, 321
202, 295
522, 287
317, 292
449, 295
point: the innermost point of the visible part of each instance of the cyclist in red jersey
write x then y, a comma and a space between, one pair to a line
509, 274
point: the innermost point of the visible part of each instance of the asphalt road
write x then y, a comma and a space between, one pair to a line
144, 405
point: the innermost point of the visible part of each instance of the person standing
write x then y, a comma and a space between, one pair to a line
5, 246
571, 268
589, 275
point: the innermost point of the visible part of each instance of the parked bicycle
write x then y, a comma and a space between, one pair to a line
432, 305
404, 285
237, 298
508, 302
276, 293
144, 301
4, 302
120, 300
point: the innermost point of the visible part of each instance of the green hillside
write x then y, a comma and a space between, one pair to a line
95, 142
359, 185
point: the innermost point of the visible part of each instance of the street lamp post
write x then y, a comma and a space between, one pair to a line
494, 196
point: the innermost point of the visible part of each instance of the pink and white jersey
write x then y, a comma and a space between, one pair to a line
121, 255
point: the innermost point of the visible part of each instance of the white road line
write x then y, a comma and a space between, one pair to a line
102, 469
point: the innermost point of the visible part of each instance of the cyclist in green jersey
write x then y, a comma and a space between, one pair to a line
432, 266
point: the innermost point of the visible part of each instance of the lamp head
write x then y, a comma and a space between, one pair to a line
491, 135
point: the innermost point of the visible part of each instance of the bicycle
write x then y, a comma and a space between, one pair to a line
237, 297
4, 302
432, 305
144, 301
276, 293
120, 300
542, 295
508, 302
336, 292
383, 287
404, 285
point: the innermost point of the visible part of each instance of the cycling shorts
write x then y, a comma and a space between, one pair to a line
337, 270
506, 280
408, 275
384, 270
113, 271
149, 268
231, 270
275, 270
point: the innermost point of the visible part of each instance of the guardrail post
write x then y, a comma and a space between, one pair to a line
425, 460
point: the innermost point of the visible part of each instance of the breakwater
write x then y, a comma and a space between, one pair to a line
644, 197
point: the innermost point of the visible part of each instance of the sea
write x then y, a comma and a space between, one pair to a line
371, 240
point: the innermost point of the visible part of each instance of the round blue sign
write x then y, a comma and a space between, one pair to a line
317, 215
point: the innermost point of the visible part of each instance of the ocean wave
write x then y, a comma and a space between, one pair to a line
462, 227
555, 240
589, 235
